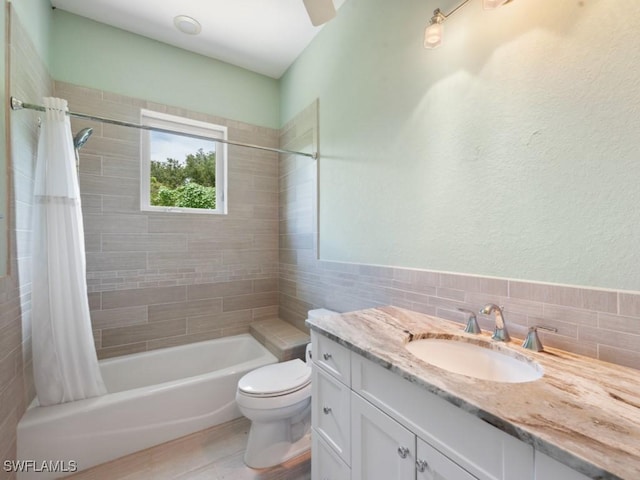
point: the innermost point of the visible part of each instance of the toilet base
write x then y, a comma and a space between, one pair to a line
271, 443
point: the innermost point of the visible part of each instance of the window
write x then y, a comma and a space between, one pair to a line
180, 173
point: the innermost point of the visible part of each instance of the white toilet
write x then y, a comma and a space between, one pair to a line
277, 400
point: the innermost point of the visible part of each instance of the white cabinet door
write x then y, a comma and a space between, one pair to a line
381, 448
432, 465
325, 463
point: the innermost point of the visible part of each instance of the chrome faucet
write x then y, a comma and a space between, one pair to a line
532, 342
500, 332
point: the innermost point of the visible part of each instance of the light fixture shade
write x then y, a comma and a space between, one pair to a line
320, 11
491, 4
433, 35
187, 25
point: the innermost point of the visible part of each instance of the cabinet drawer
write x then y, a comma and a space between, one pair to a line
325, 462
331, 357
331, 411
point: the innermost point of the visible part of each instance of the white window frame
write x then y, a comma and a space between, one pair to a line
193, 127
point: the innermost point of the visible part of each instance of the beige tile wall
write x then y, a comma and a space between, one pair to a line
598, 323
160, 279
29, 80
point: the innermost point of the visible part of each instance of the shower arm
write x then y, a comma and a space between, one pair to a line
17, 104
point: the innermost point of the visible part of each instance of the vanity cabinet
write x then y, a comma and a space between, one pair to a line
476, 447
384, 449
370, 423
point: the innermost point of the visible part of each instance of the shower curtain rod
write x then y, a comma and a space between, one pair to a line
20, 105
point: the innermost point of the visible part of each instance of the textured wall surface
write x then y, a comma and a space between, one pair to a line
29, 80
158, 279
510, 151
95, 55
36, 15
602, 324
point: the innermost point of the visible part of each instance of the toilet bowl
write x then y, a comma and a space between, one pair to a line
277, 400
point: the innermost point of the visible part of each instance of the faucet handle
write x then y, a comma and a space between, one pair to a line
532, 342
472, 322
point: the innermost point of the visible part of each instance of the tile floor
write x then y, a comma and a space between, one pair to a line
212, 454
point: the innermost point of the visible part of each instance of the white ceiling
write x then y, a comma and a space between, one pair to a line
264, 36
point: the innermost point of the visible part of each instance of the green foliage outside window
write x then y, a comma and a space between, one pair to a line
190, 184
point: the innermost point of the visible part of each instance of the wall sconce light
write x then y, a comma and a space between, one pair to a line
435, 29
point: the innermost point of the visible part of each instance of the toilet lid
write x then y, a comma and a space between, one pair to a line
279, 378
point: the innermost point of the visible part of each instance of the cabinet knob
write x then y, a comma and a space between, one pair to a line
326, 410
421, 465
403, 452
326, 356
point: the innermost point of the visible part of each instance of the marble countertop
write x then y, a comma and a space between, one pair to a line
583, 412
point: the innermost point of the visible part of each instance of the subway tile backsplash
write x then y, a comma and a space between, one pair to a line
599, 323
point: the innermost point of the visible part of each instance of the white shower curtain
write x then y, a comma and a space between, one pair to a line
64, 357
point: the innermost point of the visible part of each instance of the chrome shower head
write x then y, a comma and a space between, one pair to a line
81, 137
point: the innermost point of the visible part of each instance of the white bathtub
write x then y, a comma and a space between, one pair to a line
153, 397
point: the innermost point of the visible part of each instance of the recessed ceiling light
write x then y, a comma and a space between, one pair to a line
187, 25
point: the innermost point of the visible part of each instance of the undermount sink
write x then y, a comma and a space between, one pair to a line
475, 360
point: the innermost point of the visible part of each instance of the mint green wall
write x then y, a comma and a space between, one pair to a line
95, 55
511, 151
36, 18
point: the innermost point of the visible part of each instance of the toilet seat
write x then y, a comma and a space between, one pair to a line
272, 403
276, 380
